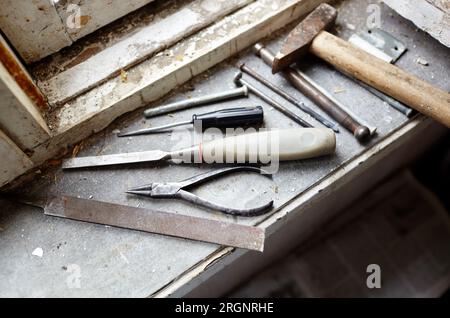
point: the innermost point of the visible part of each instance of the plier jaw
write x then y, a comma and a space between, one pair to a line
157, 190
145, 190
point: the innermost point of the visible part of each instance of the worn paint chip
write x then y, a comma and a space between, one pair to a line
38, 252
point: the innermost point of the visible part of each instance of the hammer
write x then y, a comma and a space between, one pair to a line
310, 36
362, 133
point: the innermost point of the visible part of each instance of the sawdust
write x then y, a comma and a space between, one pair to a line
123, 76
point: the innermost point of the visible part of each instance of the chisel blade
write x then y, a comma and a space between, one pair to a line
116, 159
158, 222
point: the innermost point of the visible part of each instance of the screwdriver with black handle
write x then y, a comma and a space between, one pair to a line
225, 118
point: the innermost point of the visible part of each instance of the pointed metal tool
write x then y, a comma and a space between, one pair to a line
224, 118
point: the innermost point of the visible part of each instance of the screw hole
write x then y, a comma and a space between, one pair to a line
396, 48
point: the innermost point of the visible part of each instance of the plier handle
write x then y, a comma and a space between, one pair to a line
177, 190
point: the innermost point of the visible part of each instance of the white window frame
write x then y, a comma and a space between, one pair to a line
39, 28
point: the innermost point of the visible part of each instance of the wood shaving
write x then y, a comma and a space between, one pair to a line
76, 149
123, 76
422, 61
339, 90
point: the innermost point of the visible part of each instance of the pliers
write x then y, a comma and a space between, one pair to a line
177, 190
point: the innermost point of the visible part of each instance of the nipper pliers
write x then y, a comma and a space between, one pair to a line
177, 190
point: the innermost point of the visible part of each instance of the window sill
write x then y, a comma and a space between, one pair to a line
153, 78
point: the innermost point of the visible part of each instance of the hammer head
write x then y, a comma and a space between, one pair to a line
299, 40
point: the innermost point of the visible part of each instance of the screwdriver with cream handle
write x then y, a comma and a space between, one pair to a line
259, 147
225, 118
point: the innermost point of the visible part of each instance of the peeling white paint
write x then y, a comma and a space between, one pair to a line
161, 33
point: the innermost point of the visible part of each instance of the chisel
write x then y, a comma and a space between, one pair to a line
259, 147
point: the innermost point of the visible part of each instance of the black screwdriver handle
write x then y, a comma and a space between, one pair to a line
232, 117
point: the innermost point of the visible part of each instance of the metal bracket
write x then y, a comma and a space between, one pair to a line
379, 43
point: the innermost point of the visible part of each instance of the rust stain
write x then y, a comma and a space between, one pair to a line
84, 55
54, 162
84, 19
22, 78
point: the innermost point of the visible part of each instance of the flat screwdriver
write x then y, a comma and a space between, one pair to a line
231, 117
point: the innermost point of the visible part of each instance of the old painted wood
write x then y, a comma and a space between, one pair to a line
14, 161
39, 28
34, 28
21, 103
162, 32
92, 15
432, 16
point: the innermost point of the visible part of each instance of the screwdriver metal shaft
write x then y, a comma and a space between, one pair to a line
147, 131
226, 118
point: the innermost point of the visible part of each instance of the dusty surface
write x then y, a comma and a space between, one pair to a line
99, 40
114, 262
407, 232
94, 66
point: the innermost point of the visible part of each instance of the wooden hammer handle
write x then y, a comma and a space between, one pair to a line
391, 80
361, 132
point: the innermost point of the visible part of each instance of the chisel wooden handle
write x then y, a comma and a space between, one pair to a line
266, 146
385, 77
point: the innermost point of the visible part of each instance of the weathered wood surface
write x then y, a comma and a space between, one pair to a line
37, 28
94, 14
21, 103
164, 31
432, 16
20, 74
34, 28
18, 116
14, 161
